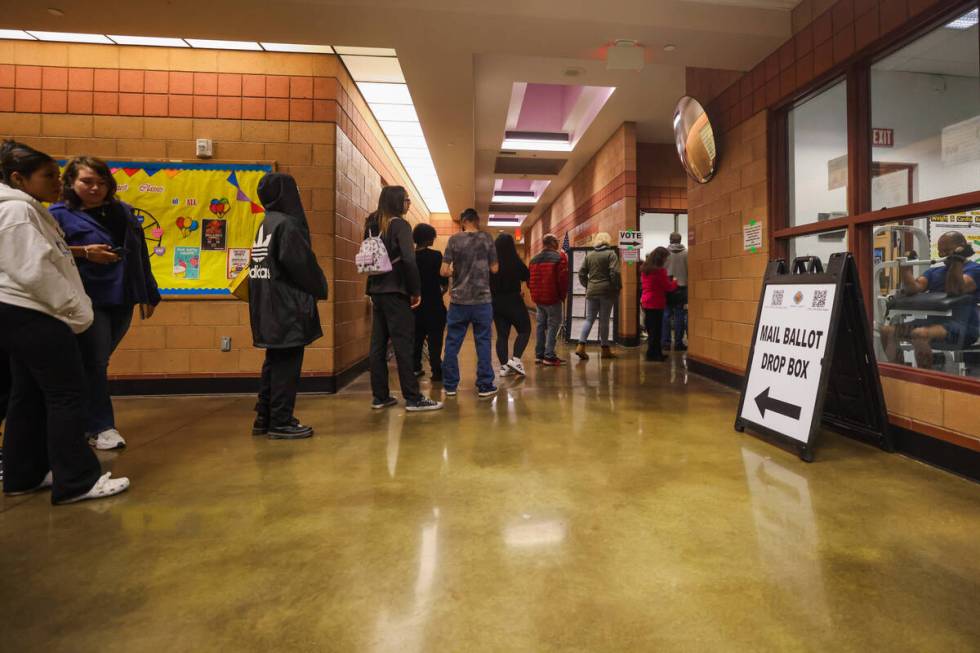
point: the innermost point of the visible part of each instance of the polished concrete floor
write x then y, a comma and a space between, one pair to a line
603, 506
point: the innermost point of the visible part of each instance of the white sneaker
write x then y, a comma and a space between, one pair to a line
108, 439
505, 370
104, 487
517, 366
46, 483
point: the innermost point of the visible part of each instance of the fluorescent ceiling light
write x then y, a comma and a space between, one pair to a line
966, 21
543, 146
375, 92
374, 69
514, 199
18, 34
70, 37
296, 47
155, 41
370, 52
401, 128
406, 141
400, 112
224, 45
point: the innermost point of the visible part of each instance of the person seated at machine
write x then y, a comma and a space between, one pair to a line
959, 276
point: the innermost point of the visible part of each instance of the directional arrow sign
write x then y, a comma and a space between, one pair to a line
765, 402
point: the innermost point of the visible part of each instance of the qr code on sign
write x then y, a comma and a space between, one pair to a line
819, 298
777, 297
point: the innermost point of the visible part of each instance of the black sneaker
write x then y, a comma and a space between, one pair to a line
295, 431
377, 404
422, 404
487, 390
261, 425
539, 360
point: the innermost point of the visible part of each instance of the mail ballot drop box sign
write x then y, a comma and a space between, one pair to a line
785, 372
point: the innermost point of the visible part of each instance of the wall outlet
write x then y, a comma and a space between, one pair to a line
225, 343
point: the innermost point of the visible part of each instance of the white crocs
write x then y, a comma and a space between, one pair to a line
107, 440
104, 487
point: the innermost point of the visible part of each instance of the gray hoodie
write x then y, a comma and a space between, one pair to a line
677, 263
37, 270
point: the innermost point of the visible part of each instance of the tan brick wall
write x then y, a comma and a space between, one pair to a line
933, 407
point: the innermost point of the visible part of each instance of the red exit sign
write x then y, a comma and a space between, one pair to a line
882, 137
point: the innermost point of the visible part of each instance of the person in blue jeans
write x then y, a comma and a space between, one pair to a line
469, 259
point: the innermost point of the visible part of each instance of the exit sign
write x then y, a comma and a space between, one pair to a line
882, 137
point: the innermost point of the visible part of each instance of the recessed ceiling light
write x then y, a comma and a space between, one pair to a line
155, 41
54, 11
966, 21
370, 52
70, 37
224, 45
297, 47
670, 47
17, 34
382, 93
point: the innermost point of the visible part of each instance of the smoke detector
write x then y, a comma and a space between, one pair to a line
573, 71
624, 54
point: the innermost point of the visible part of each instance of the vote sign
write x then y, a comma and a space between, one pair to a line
784, 375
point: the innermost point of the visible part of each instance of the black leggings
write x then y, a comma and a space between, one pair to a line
510, 311
653, 322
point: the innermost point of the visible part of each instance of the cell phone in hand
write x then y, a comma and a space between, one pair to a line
118, 251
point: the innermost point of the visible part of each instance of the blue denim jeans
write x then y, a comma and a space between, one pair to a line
549, 321
97, 344
597, 308
677, 316
458, 320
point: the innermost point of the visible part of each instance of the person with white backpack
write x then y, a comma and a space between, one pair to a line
387, 255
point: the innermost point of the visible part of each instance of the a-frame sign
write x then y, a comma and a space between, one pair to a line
812, 359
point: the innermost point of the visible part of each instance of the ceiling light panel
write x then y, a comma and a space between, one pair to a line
536, 145
370, 52
17, 34
401, 128
966, 21
374, 69
70, 37
395, 112
223, 45
153, 41
296, 47
374, 92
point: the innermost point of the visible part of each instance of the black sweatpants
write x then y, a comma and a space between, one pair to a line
393, 320
430, 324
653, 322
46, 415
510, 311
281, 371
4, 384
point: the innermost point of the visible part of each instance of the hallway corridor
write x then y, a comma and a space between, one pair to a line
594, 507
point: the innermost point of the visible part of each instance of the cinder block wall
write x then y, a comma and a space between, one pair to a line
295, 110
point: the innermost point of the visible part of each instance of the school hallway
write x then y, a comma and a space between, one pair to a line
600, 506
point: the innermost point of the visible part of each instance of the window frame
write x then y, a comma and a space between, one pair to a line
861, 220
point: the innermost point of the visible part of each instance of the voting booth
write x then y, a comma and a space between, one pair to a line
812, 361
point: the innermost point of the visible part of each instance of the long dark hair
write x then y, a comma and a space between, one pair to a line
70, 176
391, 204
957, 249
22, 159
507, 253
655, 259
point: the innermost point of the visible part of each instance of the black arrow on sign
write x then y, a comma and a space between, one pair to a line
765, 402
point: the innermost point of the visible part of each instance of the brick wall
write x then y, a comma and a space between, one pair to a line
151, 103
661, 183
601, 197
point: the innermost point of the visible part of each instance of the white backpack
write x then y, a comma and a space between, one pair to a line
372, 257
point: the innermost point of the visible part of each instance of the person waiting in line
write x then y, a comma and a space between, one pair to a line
285, 282
43, 306
509, 310
393, 296
958, 276
675, 312
430, 316
108, 242
600, 276
656, 285
469, 259
549, 286
4, 397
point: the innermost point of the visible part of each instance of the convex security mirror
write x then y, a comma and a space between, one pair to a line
695, 140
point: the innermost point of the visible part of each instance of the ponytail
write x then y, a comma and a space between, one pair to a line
20, 158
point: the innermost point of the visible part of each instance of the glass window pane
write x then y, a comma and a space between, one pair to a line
818, 157
925, 118
922, 318
819, 245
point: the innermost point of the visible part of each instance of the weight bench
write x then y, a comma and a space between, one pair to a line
901, 309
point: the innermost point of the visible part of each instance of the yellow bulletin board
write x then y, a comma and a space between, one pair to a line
199, 220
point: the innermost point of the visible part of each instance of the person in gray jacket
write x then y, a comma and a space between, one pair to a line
43, 305
676, 311
600, 276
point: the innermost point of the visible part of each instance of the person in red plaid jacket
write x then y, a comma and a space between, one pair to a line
549, 285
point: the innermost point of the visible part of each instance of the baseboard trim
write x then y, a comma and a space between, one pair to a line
724, 377
207, 385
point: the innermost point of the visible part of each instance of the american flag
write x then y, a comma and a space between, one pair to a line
565, 245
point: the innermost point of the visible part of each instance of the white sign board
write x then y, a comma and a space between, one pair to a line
631, 255
752, 236
784, 373
630, 237
961, 142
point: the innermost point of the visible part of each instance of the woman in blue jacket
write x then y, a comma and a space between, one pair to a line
108, 243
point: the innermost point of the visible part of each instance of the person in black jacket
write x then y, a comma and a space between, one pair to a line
508, 305
285, 282
393, 295
430, 317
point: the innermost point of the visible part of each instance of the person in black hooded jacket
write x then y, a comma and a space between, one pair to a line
285, 282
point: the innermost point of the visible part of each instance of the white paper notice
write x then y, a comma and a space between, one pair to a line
752, 236
784, 374
961, 142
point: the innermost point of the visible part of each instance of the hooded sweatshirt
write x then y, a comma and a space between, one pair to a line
677, 263
285, 279
37, 270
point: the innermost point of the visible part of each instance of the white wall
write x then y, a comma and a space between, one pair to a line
657, 227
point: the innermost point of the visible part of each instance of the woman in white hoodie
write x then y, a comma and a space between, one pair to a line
42, 306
